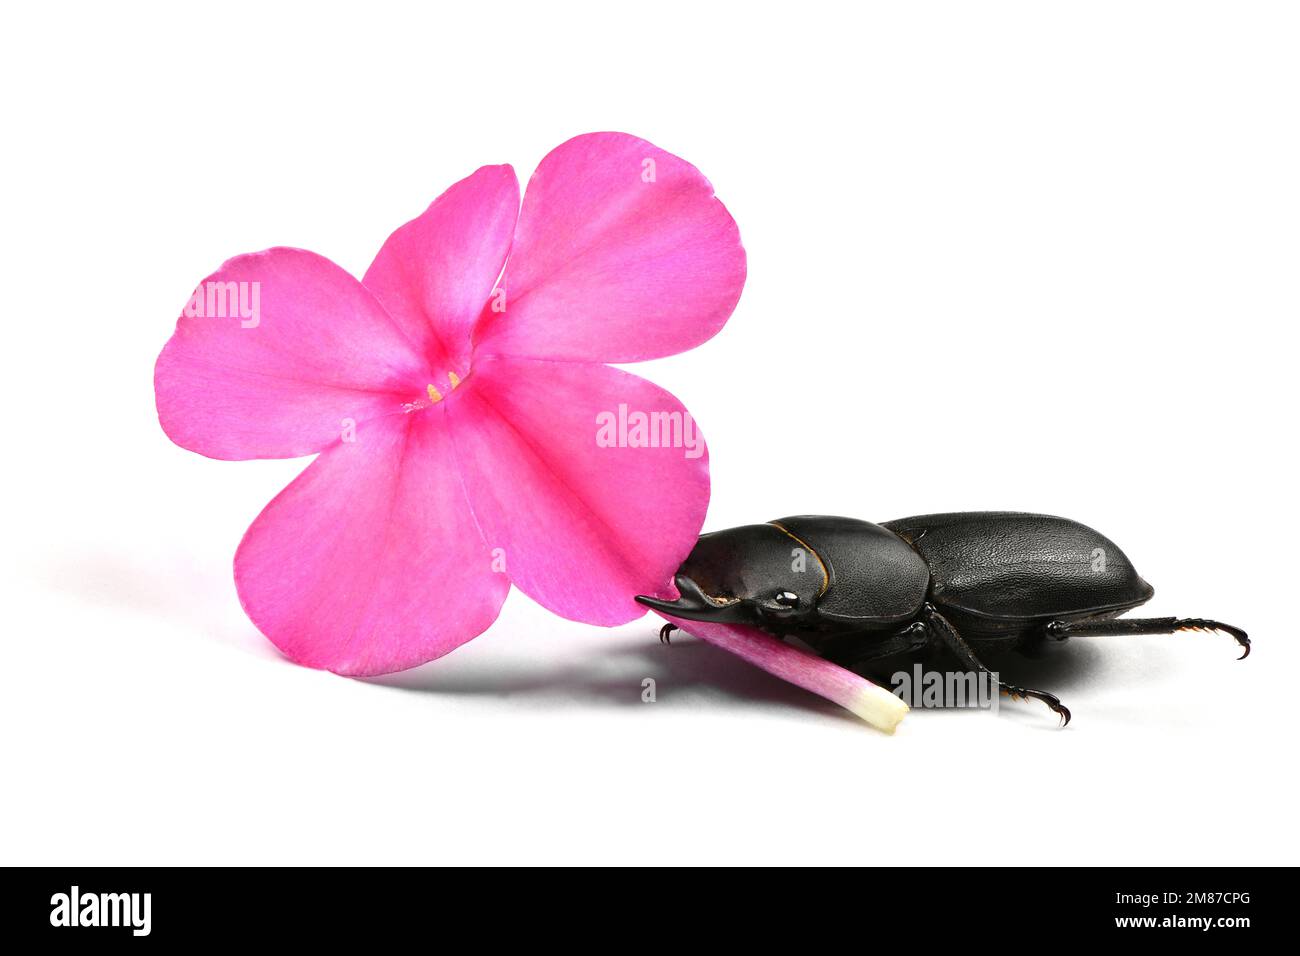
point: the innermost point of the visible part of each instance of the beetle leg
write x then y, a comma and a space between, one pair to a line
665, 632
1060, 630
942, 629
1024, 693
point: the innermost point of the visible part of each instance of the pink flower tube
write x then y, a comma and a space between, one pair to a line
871, 702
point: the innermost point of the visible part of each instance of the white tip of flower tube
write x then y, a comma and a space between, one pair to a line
878, 707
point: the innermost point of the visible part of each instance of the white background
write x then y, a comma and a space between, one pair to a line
1027, 256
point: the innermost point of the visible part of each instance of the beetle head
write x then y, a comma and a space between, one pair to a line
756, 574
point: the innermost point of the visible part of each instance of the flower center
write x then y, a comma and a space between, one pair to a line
435, 395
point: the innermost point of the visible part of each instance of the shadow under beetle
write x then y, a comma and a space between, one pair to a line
936, 588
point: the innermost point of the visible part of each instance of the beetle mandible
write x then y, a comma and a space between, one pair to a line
942, 587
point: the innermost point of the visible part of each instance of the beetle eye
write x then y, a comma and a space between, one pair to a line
787, 599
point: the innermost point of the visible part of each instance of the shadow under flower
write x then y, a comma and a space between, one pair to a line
688, 672
174, 588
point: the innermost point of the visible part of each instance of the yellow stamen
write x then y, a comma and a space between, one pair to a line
434, 394
455, 379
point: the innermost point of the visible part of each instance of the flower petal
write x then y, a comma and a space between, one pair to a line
622, 253
584, 527
871, 702
369, 562
285, 347
435, 274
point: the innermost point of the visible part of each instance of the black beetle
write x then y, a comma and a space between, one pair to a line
934, 588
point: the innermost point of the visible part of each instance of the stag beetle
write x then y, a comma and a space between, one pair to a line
936, 588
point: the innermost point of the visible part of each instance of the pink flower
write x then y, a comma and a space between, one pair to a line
454, 396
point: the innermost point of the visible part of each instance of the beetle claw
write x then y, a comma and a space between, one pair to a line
665, 632
1203, 624
1051, 700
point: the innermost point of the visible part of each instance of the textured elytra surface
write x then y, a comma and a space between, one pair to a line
1019, 566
